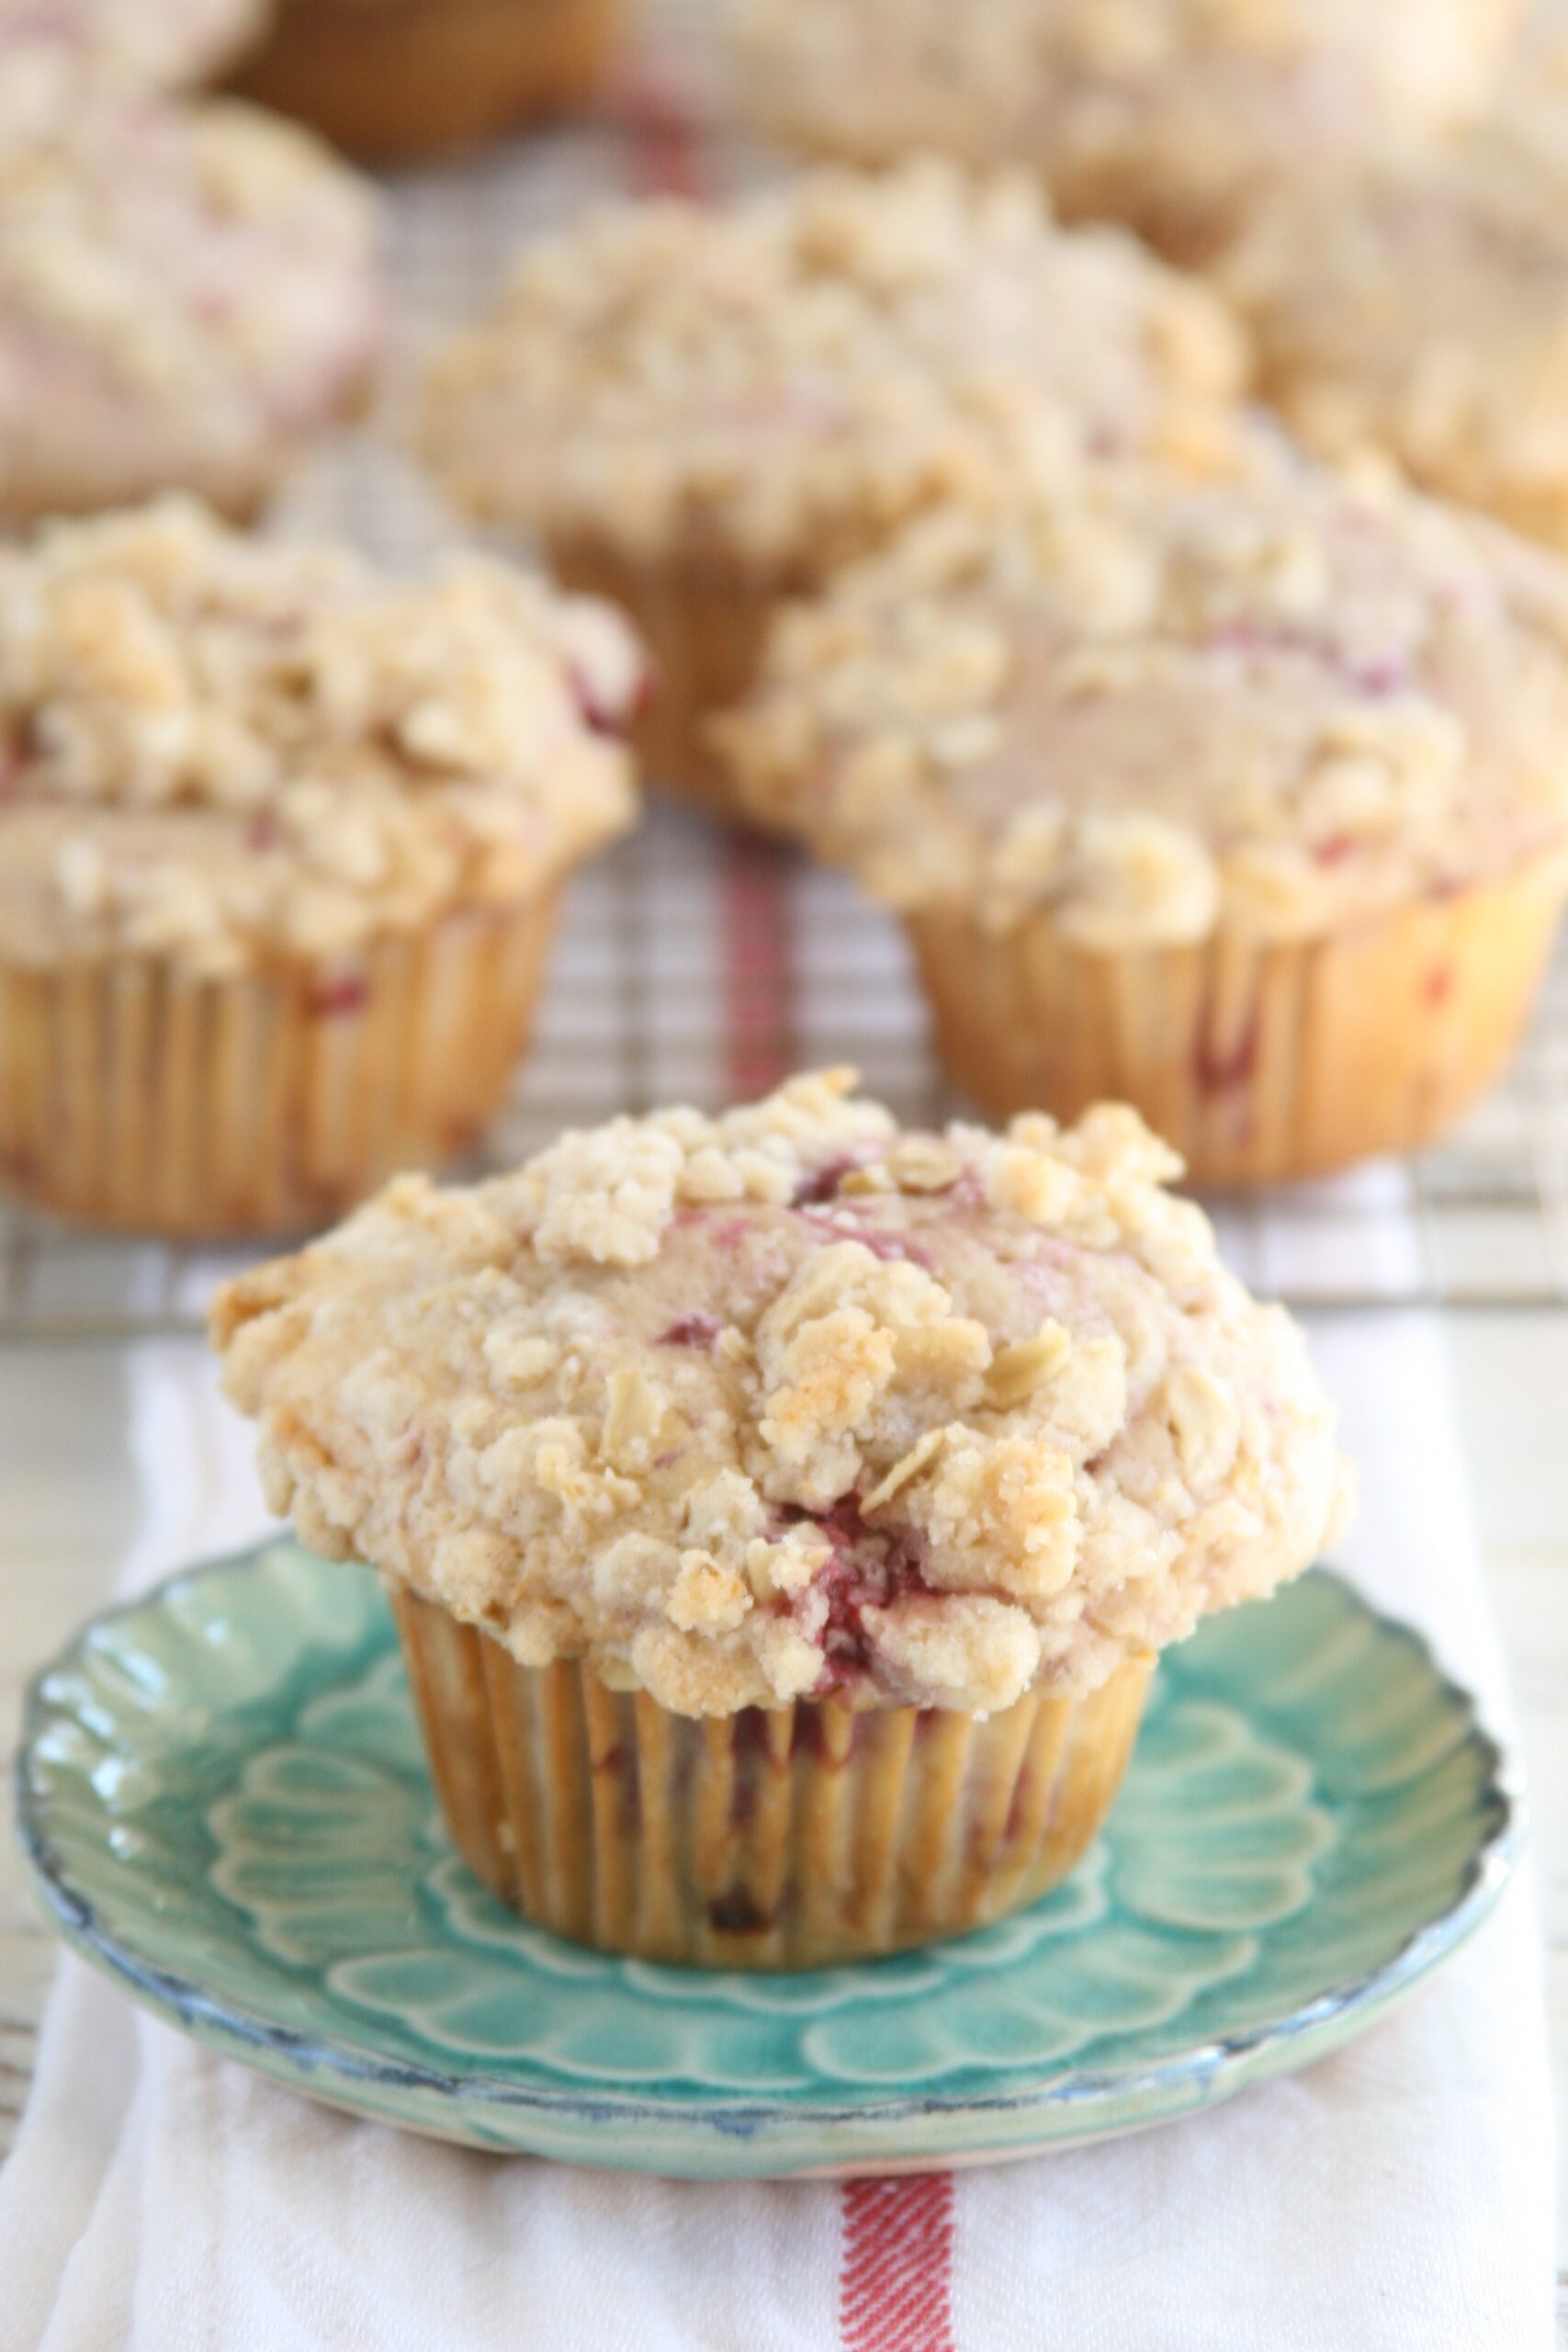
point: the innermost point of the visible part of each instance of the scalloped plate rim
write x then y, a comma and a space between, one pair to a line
1195, 2078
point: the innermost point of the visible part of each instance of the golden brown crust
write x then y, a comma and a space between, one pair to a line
392, 81
752, 1407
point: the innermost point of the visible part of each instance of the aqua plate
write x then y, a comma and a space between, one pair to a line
224, 1803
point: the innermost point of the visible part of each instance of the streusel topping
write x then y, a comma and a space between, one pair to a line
178, 284
1166, 113
1417, 302
796, 371
163, 44
1158, 710
212, 746
791, 1402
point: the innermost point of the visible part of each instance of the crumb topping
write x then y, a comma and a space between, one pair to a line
1167, 114
790, 1402
178, 284
163, 44
1416, 301
796, 371
1157, 709
212, 746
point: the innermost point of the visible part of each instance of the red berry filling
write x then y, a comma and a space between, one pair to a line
855, 1220
868, 1569
350, 992
691, 1331
1376, 675
822, 1183
1225, 1070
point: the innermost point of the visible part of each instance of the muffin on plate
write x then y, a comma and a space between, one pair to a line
390, 80
1168, 114
163, 44
701, 411
1416, 301
782, 1512
189, 294
280, 840
1247, 802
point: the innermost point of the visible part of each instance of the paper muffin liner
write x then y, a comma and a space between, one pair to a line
406, 77
704, 622
787, 1837
136, 1094
1258, 1061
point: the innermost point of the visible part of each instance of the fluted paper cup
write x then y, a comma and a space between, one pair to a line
136, 1094
1259, 1061
774, 1838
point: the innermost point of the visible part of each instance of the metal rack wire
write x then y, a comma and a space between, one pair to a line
695, 967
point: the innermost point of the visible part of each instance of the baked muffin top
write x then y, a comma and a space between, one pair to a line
790, 1402
795, 372
214, 747
1416, 301
179, 285
162, 44
1157, 708
1166, 113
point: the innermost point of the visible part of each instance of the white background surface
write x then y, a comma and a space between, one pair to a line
67, 1500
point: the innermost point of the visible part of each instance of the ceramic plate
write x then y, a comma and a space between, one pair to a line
223, 1799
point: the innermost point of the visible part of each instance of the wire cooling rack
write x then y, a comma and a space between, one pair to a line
695, 967
699, 967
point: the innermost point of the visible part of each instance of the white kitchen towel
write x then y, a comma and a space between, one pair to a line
1397, 2198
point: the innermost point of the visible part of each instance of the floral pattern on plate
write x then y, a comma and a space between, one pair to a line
225, 1802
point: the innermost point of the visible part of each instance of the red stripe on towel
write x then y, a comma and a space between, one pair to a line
667, 154
759, 967
896, 2284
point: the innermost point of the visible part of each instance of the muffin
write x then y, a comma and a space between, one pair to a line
1416, 301
390, 80
279, 845
1246, 802
701, 411
163, 44
1168, 114
189, 295
782, 1512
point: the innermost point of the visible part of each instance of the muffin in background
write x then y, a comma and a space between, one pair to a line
393, 80
1168, 115
1415, 300
190, 294
1246, 802
280, 840
701, 411
162, 44
782, 1511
